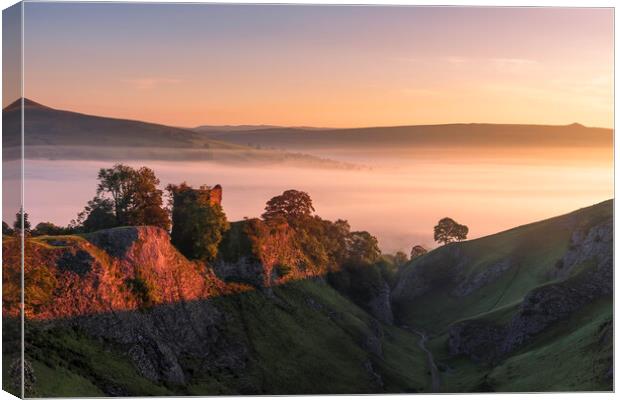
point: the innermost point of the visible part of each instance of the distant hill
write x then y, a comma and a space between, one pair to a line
48, 126
232, 128
57, 134
450, 135
242, 128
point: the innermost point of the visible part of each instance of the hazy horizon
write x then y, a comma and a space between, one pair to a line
260, 125
312, 65
188, 65
399, 198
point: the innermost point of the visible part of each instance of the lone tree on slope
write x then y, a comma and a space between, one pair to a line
448, 230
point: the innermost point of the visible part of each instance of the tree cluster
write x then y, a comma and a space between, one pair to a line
125, 197
198, 224
324, 242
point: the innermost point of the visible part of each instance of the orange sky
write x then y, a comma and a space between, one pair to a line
188, 65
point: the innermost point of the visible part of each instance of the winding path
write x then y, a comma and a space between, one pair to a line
435, 381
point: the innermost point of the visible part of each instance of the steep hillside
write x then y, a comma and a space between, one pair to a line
112, 270
121, 312
507, 301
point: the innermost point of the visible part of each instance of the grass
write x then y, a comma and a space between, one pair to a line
568, 356
298, 349
532, 250
72, 362
304, 338
571, 356
62, 382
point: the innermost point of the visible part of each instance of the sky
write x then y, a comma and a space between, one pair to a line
327, 66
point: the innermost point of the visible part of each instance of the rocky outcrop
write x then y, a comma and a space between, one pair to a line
112, 270
587, 246
489, 275
590, 257
159, 339
479, 340
430, 271
380, 305
263, 254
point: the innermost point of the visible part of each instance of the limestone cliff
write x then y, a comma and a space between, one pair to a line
110, 270
263, 254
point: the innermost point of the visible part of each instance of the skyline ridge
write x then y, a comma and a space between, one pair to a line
263, 126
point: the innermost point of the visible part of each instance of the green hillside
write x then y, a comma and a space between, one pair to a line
528, 309
302, 337
547, 285
531, 254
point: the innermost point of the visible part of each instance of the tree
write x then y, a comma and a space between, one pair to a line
335, 238
129, 196
97, 215
118, 183
400, 258
17, 225
6, 229
417, 251
448, 230
363, 248
146, 201
48, 228
198, 224
293, 205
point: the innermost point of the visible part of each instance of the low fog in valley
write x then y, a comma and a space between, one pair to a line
399, 194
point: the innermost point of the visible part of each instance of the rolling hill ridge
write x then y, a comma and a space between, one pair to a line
66, 135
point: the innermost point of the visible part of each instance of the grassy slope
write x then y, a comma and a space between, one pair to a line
572, 355
294, 348
533, 250
555, 360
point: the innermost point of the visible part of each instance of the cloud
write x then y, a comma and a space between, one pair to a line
501, 64
512, 64
457, 60
149, 83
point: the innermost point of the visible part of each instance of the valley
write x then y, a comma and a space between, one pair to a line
495, 312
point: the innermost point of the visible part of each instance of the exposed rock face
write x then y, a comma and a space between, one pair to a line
427, 274
380, 306
263, 254
543, 306
160, 338
588, 246
478, 340
137, 267
30, 379
472, 283
245, 269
